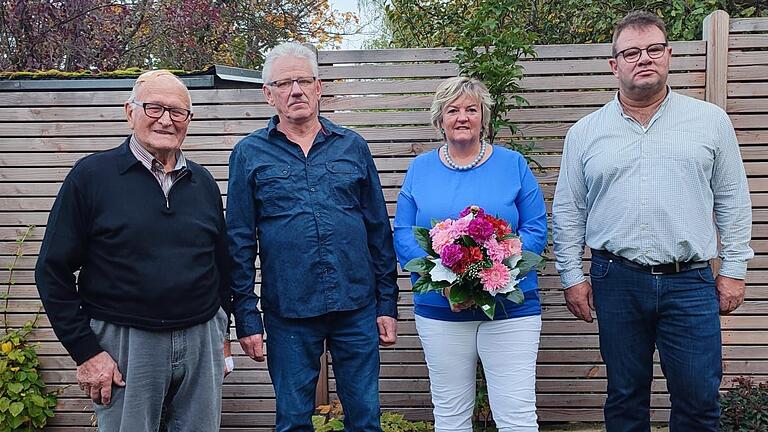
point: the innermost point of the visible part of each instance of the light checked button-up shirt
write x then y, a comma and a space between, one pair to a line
648, 194
165, 179
318, 222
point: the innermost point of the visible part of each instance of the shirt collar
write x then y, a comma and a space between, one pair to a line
148, 160
664, 103
327, 127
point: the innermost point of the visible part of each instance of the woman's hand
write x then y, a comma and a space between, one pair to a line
457, 307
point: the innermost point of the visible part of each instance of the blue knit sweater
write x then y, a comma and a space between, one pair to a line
504, 186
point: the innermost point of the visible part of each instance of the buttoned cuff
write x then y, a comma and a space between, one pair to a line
733, 269
249, 325
570, 278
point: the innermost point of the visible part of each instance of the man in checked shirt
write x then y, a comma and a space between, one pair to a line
146, 318
639, 183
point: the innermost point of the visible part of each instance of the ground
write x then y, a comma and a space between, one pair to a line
587, 427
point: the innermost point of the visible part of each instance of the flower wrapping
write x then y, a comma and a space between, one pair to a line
477, 255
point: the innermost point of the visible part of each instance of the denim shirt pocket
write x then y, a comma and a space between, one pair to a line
273, 189
345, 177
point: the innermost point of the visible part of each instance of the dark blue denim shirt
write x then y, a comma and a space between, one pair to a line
318, 223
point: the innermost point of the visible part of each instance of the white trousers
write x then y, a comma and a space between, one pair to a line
507, 349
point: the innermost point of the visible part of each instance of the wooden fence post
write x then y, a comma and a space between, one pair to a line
715, 32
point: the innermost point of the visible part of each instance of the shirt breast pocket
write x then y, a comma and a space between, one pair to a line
273, 190
345, 178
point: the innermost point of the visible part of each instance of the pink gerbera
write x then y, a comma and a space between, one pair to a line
496, 251
494, 278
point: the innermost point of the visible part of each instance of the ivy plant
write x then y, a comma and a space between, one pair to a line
25, 404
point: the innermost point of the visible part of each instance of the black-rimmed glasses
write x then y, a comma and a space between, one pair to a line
632, 55
155, 111
285, 84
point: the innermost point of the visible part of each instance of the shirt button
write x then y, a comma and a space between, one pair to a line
644, 202
317, 214
311, 189
285, 171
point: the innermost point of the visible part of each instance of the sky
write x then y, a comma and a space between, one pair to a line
350, 42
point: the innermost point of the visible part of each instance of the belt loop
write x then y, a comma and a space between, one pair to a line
677, 267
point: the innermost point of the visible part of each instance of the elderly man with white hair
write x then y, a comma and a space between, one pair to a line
145, 320
305, 195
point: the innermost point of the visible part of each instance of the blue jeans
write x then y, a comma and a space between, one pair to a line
678, 314
294, 347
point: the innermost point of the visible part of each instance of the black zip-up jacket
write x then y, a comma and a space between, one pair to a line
144, 261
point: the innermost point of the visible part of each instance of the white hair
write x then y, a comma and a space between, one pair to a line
151, 75
288, 49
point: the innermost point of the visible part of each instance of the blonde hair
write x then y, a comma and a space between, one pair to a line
452, 89
152, 75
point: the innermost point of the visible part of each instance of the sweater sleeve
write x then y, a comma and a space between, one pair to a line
61, 254
405, 218
533, 213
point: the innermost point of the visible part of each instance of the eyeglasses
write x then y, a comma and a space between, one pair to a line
155, 111
632, 55
285, 84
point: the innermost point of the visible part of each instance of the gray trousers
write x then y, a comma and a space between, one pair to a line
182, 370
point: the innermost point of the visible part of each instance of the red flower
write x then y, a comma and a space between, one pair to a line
500, 227
472, 254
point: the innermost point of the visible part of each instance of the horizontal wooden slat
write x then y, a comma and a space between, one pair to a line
743, 25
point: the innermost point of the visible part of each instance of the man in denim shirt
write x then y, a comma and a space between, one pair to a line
305, 195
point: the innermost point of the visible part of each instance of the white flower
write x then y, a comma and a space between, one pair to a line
442, 273
512, 261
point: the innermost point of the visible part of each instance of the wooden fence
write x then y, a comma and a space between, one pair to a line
385, 95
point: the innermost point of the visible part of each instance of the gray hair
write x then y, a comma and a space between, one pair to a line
452, 89
151, 75
288, 49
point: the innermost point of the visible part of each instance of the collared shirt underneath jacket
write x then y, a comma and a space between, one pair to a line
648, 194
318, 223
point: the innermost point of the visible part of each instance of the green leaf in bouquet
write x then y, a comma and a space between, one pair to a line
529, 261
425, 242
422, 285
434, 222
419, 265
460, 292
509, 236
486, 303
516, 296
468, 241
438, 286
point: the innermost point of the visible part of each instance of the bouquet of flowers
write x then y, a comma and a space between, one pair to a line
477, 256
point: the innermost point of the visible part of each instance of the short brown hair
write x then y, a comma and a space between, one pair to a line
637, 19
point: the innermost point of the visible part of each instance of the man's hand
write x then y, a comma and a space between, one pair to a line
730, 292
96, 377
253, 346
229, 365
578, 298
387, 330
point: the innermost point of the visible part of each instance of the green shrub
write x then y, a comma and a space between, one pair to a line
331, 418
744, 408
24, 403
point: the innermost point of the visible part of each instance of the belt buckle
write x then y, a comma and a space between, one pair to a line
657, 272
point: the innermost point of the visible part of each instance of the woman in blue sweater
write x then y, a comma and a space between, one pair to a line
464, 171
